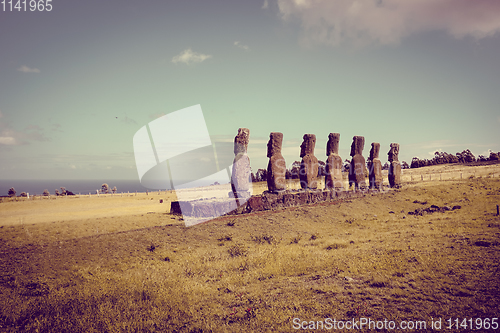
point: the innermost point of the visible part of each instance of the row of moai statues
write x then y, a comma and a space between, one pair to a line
308, 171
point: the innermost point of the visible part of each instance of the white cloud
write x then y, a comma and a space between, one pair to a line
188, 56
359, 23
26, 69
265, 5
12, 137
241, 46
7, 140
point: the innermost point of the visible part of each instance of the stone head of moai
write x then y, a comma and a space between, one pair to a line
332, 146
274, 143
357, 146
307, 146
393, 153
241, 141
375, 151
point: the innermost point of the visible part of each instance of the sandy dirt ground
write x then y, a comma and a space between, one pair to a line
77, 208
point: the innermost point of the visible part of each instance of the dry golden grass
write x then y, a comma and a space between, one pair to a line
255, 273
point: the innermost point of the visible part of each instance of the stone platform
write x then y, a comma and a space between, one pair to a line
266, 201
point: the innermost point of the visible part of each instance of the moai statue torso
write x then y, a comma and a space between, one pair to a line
308, 171
240, 178
375, 166
333, 167
395, 166
357, 167
276, 169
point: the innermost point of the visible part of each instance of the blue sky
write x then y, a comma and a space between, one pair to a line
78, 82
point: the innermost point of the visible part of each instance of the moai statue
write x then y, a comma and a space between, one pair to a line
333, 167
276, 169
357, 168
240, 179
308, 171
395, 166
375, 166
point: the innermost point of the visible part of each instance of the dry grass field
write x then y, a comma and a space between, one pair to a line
124, 264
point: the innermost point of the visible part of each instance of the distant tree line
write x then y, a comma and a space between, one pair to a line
62, 192
105, 188
465, 156
12, 192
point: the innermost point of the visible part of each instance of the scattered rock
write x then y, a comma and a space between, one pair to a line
462, 293
482, 243
431, 209
456, 207
378, 284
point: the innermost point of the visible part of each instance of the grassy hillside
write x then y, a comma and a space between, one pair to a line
362, 258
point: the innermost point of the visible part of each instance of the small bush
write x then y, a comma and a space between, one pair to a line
263, 239
226, 238
236, 251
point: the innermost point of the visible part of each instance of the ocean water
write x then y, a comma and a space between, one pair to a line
76, 186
